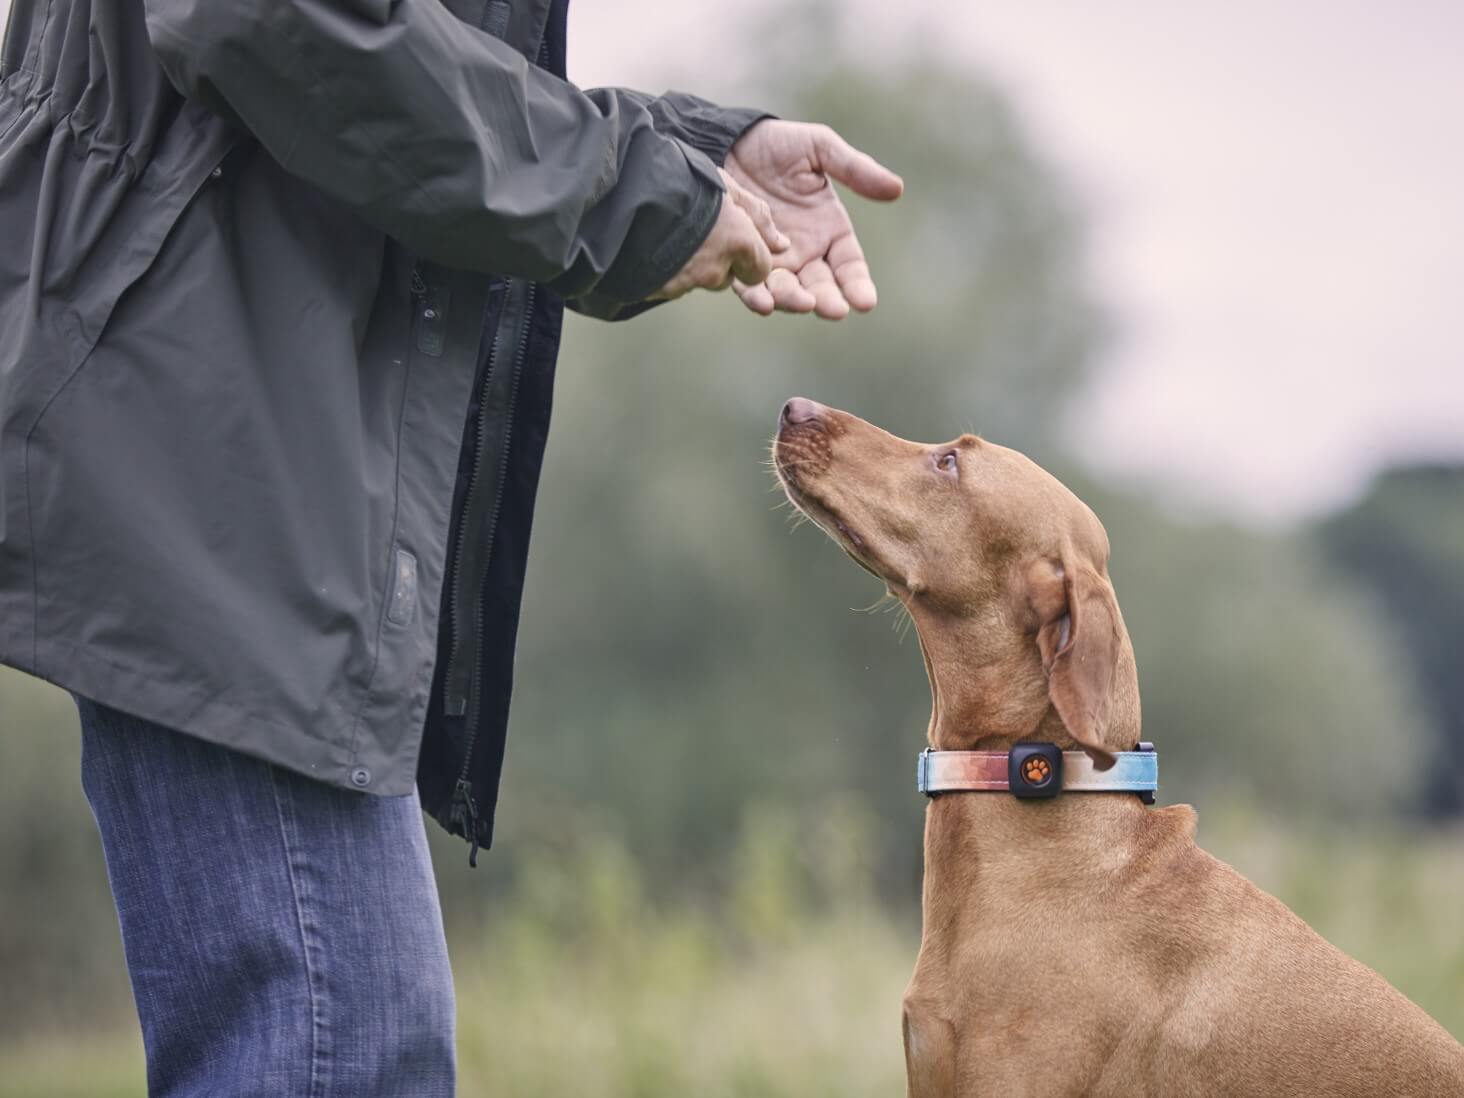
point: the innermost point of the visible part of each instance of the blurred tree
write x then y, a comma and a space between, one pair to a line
680, 656
1266, 676
1405, 541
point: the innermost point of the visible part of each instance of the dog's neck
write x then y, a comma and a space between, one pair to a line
983, 851
986, 698
978, 700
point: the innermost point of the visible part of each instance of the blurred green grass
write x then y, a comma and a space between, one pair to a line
575, 984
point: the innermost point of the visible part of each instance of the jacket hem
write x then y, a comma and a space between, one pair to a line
194, 712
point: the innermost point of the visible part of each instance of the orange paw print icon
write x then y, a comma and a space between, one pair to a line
1036, 770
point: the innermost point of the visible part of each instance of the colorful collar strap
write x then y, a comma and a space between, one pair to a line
1038, 770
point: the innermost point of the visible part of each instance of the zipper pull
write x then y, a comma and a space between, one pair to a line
463, 816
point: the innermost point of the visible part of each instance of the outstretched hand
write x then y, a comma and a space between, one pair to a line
737, 248
789, 165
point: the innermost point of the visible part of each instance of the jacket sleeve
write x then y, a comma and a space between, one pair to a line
705, 127
448, 139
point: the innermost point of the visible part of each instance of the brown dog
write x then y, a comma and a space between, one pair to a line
1081, 945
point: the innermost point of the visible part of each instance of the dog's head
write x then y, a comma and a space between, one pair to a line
1002, 568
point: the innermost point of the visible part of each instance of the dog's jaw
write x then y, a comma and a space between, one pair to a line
802, 449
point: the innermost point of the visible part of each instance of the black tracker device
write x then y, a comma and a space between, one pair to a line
1034, 770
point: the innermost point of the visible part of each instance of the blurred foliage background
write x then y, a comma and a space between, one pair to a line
706, 875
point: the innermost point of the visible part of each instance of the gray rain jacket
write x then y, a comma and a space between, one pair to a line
281, 284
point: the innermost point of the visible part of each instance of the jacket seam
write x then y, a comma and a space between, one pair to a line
40, 46
30, 520
367, 693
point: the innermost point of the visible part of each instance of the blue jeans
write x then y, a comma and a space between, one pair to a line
283, 937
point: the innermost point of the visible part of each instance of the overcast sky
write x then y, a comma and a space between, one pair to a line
1278, 197
1276, 190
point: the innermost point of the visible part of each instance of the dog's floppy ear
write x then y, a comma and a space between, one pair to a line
1080, 640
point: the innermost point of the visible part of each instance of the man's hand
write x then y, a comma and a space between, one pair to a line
788, 165
738, 247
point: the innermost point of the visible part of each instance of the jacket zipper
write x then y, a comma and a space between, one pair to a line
462, 646
463, 810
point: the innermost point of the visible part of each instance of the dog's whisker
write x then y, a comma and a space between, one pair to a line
884, 604
903, 621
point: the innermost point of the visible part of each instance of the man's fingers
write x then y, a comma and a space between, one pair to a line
858, 171
741, 256
782, 291
818, 279
860, 292
733, 249
762, 220
750, 259
684, 282
758, 210
851, 272
759, 299
787, 293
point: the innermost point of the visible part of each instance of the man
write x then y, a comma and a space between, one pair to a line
262, 257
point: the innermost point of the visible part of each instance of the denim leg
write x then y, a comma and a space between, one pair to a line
283, 937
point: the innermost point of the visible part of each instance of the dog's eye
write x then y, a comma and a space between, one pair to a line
947, 462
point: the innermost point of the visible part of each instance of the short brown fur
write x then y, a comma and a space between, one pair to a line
1082, 945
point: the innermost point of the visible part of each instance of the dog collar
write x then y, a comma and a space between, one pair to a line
1037, 770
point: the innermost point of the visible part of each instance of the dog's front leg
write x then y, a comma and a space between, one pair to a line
930, 1051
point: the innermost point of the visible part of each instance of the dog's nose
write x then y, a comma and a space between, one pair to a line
802, 410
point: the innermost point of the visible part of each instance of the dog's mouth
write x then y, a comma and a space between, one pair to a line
823, 517
792, 456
